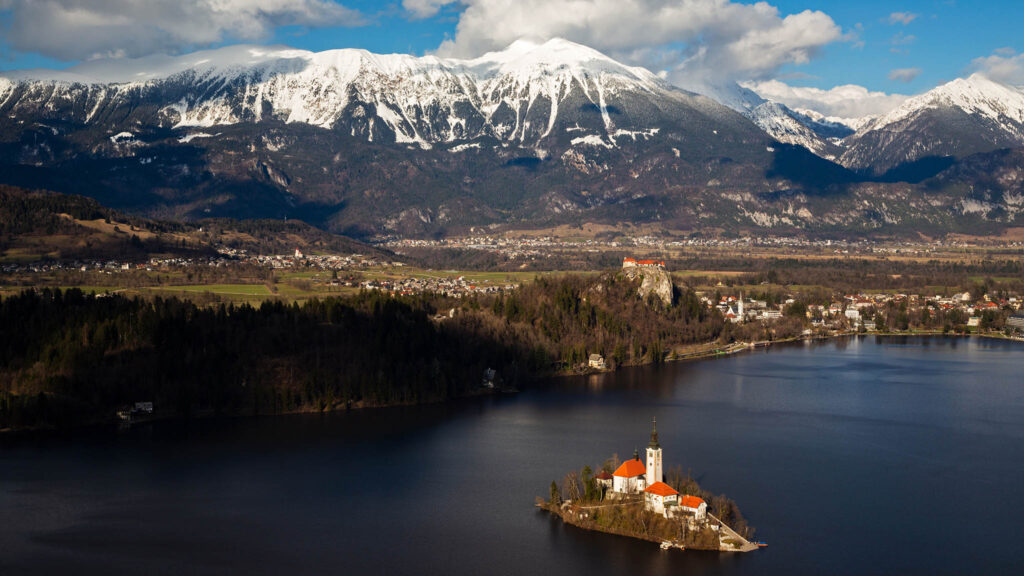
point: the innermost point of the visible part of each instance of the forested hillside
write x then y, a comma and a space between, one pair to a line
68, 357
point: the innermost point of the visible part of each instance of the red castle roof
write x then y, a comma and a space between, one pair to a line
645, 262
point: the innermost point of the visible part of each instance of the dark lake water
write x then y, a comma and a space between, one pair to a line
860, 456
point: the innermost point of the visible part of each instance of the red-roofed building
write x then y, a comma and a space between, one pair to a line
694, 505
633, 262
629, 478
604, 479
660, 497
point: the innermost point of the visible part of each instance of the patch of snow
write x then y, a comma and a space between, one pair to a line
645, 134
464, 147
591, 140
190, 137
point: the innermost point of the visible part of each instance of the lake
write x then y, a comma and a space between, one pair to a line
857, 456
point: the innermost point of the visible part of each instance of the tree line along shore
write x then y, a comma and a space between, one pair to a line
70, 358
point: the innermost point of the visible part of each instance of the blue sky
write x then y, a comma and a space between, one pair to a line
947, 37
902, 47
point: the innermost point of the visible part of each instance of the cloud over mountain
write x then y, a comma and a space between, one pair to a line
1004, 65
847, 101
719, 39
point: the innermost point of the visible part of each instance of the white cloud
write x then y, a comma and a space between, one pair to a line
725, 39
425, 8
901, 39
83, 29
904, 74
1005, 66
902, 18
848, 101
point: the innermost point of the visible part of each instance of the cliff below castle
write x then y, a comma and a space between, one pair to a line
654, 279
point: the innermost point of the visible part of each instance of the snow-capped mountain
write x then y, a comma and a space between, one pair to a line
965, 116
349, 138
522, 95
537, 134
817, 134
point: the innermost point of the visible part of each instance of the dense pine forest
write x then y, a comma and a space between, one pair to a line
68, 358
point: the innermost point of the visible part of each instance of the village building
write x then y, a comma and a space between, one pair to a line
597, 362
1016, 321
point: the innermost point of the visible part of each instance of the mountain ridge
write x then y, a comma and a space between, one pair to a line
378, 145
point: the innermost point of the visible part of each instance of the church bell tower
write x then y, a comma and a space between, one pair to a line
654, 470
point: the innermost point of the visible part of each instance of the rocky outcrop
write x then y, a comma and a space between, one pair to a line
653, 280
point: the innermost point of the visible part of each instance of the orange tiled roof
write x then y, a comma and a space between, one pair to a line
631, 468
661, 489
690, 502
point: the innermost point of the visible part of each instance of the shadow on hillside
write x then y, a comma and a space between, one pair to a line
818, 175
814, 174
917, 171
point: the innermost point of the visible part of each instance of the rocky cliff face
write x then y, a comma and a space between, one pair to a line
653, 280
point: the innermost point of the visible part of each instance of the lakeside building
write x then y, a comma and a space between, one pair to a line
1016, 321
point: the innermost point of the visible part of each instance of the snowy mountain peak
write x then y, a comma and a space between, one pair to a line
526, 59
966, 116
552, 52
974, 95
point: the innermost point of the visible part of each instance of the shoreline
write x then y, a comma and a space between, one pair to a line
737, 347
716, 352
574, 515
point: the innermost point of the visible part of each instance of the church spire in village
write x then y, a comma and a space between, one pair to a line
654, 435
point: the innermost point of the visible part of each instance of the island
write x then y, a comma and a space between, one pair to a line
633, 499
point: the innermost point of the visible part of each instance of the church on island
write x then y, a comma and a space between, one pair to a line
634, 477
